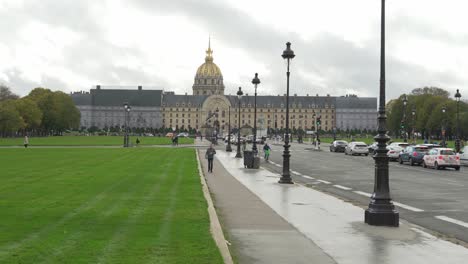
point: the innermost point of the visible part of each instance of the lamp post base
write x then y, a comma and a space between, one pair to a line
286, 180
385, 215
228, 148
238, 155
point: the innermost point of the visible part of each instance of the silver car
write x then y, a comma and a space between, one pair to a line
357, 148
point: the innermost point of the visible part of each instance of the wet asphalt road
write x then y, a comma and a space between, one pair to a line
434, 199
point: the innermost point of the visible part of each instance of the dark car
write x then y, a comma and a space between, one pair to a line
372, 148
338, 146
413, 154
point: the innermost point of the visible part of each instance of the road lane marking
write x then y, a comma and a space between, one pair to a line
308, 177
343, 187
277, 165
363, 193
326, 182
407, 207
295, 172
451, 220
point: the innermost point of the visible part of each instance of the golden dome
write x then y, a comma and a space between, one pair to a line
209, 68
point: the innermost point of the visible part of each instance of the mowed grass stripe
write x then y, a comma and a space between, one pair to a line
33, 201
122, 207
90, 141
117, 243
48, 225
107, 212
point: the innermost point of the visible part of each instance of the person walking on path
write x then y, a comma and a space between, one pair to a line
210, 152
138, 141
244, 145
26, 141
266, 149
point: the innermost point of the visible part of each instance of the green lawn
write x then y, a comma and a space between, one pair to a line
137, 205
90, 141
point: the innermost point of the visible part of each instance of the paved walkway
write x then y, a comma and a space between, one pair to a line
267, 222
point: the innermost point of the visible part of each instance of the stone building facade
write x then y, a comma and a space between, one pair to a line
103, 107
209, 108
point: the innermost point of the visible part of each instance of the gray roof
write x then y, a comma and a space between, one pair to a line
81, 98
171, 100
117, 97
277, 101
356, 102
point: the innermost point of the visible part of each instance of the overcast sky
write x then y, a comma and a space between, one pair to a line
71, 45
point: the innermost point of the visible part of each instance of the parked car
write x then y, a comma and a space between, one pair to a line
394, 152
431, 146
170, 134
439, 158
183, 134
359, 148
399, 144
338, 146
413, 154
372, 147
464, 156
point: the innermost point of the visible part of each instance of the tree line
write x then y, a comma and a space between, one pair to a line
41, 113
428, 120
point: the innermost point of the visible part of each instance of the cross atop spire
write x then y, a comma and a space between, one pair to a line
209, 52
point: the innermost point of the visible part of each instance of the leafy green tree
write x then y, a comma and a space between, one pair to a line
6, 94
10, 118
30, 112
430, 91
58, 110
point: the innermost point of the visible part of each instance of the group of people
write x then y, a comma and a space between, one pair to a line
210, 152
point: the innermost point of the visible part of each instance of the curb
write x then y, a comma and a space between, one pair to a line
215, 226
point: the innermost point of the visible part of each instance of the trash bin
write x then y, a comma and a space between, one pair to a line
248, 159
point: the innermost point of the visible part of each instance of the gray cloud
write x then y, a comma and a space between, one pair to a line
344, 66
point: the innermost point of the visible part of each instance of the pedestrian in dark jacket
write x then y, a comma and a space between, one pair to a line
210, 152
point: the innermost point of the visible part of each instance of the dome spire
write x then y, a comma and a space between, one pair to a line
209, 52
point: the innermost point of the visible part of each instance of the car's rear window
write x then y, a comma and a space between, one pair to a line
447, 152
341, 143
361, 146
421, 149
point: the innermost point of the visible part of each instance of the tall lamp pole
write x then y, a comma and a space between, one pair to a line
255, 82
228, 147
405, 102
239, 96
444, 109
457, 140
381, 211
288, 54
413, 114
126, 121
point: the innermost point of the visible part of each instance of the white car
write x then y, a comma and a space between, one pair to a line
464, 156
356, 148
439, 158
394, 151
402, 145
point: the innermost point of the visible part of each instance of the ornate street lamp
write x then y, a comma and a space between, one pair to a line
444, 109
276, 129
403, 122
413, 114
288, 54
239, 96
255, 82
381, 211
457, 140
126, 114
228, 147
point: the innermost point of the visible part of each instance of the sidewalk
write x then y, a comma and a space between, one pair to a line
267, 222
255, 232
